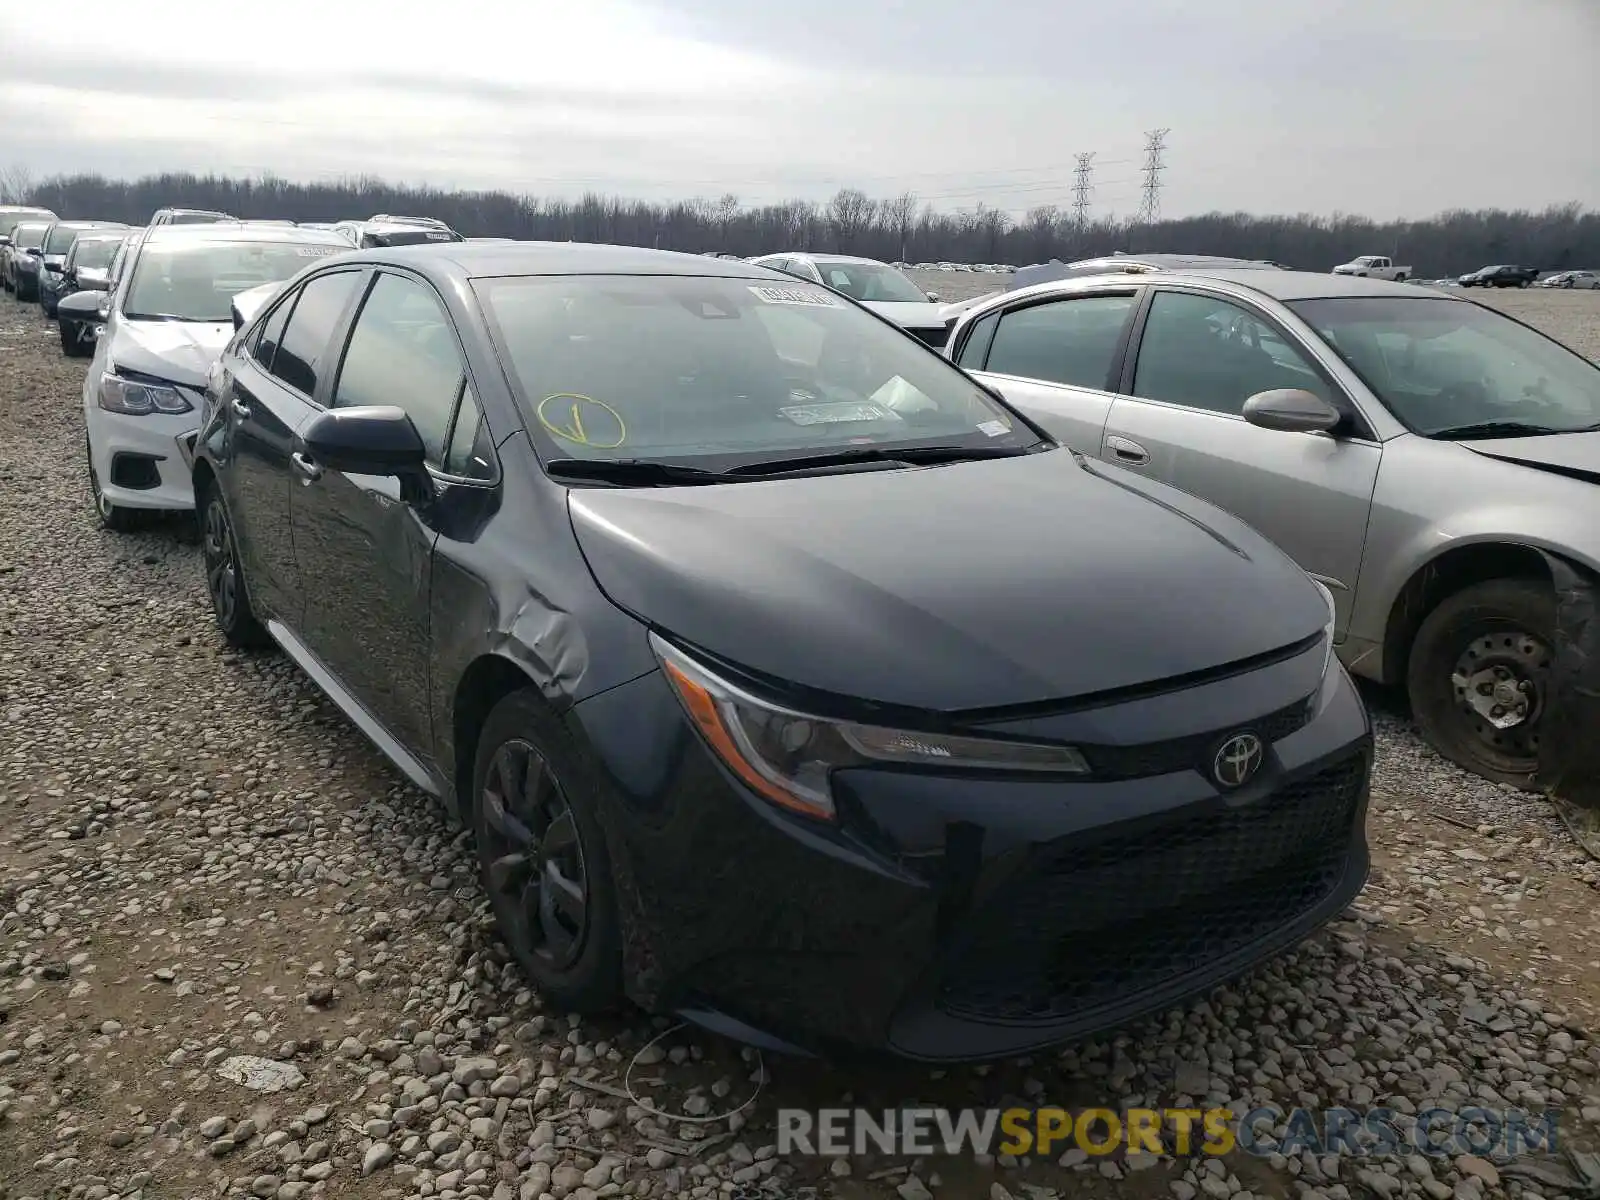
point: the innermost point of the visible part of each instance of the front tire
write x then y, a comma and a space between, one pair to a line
230, 600
26, 291
543, 858
1479, 677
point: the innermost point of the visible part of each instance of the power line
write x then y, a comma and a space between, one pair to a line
1150, 207
1082, 188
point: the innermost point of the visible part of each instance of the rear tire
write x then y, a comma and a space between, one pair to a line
529, 779
1504, 628
230, 599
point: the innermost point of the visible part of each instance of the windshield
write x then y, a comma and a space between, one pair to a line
196, 281
1440, 364
869, 281
29, 237
90, 254
721, 372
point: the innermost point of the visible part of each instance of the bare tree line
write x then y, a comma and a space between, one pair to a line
894, 228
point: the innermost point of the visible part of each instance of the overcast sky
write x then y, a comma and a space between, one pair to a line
1385, 107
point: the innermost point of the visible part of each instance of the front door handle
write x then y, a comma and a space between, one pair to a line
305, 466
240, 409
1127, 451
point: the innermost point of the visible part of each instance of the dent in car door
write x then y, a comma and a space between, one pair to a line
1054, 359
1196, 360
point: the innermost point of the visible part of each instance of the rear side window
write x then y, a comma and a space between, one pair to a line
302, 351
1063, 341
975, 349
270, 333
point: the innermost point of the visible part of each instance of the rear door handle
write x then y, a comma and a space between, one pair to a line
240, 409
305, 466
1127, 451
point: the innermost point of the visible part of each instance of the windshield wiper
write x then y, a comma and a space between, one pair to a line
909, 455
630, 472
127, 316
1494, 429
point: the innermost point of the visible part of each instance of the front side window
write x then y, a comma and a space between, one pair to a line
1443, 366
724, 372
1072, 341
403, 352
197, 280
870, 281
303, 349
471, 453
1207, 353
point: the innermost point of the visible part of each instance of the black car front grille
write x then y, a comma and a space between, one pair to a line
1193, 752
1092, 922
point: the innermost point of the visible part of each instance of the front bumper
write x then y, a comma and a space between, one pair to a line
950, 919
141, 462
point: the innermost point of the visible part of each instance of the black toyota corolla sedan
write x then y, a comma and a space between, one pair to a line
788, 679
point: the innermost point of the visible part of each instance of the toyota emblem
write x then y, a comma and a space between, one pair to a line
1237, 760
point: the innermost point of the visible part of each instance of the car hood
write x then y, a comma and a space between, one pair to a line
949, 588
908, 314
181, 351
1565, 453
249, 303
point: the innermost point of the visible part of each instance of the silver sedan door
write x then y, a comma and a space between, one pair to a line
1054, 359
1197, 359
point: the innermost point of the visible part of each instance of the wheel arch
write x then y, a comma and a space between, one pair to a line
1457, 567
488, 679
201, 477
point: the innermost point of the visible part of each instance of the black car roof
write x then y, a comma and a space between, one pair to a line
482, 260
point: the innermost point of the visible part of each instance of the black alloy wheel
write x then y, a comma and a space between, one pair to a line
230, 602
1479, 677
543, 857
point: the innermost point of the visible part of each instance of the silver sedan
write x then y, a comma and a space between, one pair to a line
1423, 456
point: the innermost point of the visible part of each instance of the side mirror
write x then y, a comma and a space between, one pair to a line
35, 251
5, 239
371, 440
934, 296
83, 306
1291, 410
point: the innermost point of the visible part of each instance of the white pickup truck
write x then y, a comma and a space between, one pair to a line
1374, 266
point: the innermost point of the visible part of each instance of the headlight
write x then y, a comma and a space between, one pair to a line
131, 398
1327, 630
787, 756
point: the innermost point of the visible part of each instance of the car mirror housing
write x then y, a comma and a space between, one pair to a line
82, 306
1291, 410
369, 440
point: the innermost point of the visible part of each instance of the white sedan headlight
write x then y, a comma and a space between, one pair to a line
135, 398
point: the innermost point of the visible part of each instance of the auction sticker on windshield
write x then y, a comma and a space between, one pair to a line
315, 251
829, 414
814, 298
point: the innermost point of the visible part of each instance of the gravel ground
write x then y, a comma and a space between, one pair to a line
201, 860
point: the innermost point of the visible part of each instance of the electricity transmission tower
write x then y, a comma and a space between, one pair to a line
1150, 206
1082, 188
